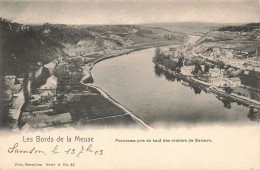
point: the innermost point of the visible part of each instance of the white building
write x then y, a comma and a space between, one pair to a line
253, 63
50, 85
234, 82
227, 82
219, 83
228, 54
186, 70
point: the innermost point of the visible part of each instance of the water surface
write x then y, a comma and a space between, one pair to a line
134, 82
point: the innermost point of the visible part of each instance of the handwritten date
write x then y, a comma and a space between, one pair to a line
77, 152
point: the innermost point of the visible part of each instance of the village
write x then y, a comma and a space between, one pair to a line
227, 71
39, 111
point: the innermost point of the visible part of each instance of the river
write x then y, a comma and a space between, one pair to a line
160, 100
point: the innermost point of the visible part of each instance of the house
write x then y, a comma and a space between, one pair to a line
216, 52
10, 81
32, 114
32, 107
227, 82
220, 83
234, 82
254, 63
26, 127
50, 85
13, 83
186, 70
229, 54
235, 62
44, 120
215, 72
7, 95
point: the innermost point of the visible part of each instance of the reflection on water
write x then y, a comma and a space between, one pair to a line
226, 102
252, 114
197, 90
159, 72
161, 98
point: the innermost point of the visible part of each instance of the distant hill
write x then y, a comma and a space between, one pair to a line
73, 34
85, 39
241, 28
194, 28
22, 46
241, 40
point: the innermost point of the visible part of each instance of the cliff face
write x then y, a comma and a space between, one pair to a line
84, 40
22, 48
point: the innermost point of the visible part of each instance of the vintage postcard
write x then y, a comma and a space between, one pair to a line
130, 84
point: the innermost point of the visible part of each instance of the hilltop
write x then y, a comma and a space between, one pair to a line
193, 28
84, 40
242, 41
22, 46
241, 28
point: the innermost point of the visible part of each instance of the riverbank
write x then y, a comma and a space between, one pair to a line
213, 89
88, 67
87, 79
127, 112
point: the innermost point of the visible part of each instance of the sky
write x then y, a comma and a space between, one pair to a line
130, 11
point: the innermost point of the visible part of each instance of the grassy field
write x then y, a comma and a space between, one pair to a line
92, 107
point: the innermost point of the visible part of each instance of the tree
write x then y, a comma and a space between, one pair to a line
206, 69
158, 71
197, 69
197, 90
180, 62
228, 89
158, 57
178, 69
157, 52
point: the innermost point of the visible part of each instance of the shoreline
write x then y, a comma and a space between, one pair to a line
127, 112
214, 90
88, 75
123, 53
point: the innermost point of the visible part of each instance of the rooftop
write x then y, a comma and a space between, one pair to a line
51, 83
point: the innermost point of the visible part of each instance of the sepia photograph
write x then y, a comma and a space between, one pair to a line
122, 69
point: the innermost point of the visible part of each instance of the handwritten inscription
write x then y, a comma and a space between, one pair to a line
16, 149
77, 152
